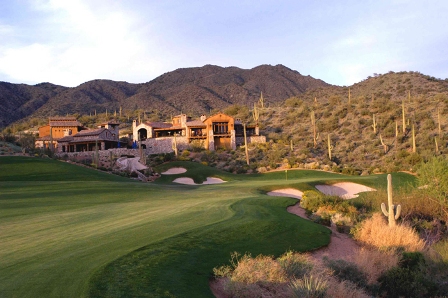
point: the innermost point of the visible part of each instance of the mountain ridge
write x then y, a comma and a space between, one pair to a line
193, 90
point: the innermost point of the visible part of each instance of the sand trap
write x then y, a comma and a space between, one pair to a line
345, 190
211, 180
189, 181
174, 171
286, 192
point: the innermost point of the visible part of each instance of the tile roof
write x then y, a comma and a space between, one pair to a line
159, 124
196, 123
90, 132
66, 139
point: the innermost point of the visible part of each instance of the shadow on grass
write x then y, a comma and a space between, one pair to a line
181, 266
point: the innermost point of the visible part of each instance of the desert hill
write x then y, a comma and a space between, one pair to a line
190, 90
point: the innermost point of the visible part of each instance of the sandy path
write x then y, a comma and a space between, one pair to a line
174, 171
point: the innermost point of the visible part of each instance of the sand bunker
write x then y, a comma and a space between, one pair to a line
286, 192
174, 171
345, 190
189, 181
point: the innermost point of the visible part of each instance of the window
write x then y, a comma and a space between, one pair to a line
220, 128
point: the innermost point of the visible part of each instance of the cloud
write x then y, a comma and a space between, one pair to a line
78, 42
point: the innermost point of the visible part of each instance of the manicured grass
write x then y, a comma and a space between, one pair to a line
65, 229
182, 265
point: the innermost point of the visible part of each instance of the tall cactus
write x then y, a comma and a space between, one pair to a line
256, 114
393, 213
374, 125
313, 124
404, 116
330, 147
414, 149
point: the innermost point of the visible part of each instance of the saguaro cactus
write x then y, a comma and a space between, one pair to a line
393, 213
330, 147
374, 125
403, 115
313, 124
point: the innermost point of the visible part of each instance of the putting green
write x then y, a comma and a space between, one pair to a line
69, 231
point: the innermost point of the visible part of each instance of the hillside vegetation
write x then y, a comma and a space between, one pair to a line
194, 91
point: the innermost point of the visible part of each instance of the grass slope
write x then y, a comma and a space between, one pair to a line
64, 229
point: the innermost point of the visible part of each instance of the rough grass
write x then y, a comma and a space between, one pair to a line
376, 232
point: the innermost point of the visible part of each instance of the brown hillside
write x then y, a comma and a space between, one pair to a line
190, 90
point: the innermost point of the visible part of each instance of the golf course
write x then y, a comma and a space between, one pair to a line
72, 231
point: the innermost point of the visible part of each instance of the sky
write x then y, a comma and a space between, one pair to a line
69, 42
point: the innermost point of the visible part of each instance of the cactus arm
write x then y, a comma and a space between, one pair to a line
383, 208
398, 212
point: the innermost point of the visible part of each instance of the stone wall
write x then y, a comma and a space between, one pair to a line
251, 139
165, 145
153, 146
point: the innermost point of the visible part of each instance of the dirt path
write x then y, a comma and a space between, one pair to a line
341, 245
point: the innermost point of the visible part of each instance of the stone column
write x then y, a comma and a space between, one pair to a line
232, 139
103, 146
211, 140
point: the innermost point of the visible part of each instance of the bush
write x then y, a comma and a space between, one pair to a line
345, 270
376, 232
405, 282
295, 265
433, 176
374, 262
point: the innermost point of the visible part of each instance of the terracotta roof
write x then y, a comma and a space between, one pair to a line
90, 132
86, 139
66, 139
169, 128
158, 124
196, 123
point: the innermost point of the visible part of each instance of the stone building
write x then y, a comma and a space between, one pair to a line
217, 131
57, 128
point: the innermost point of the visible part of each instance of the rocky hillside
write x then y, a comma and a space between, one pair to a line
363, 123
189, 90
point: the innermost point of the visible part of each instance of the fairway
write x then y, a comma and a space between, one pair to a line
69, 231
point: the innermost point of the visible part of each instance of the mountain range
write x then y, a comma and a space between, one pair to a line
187, 90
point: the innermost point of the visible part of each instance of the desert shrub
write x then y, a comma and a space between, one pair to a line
442, 249
374, 262
376, 232
261, 276
312, 200
433, 175
344, 289
344, 270
310, 286
294, 264
405, 281
260, 268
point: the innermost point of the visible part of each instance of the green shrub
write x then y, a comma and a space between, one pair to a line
345, 270
408, 279
405, 282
